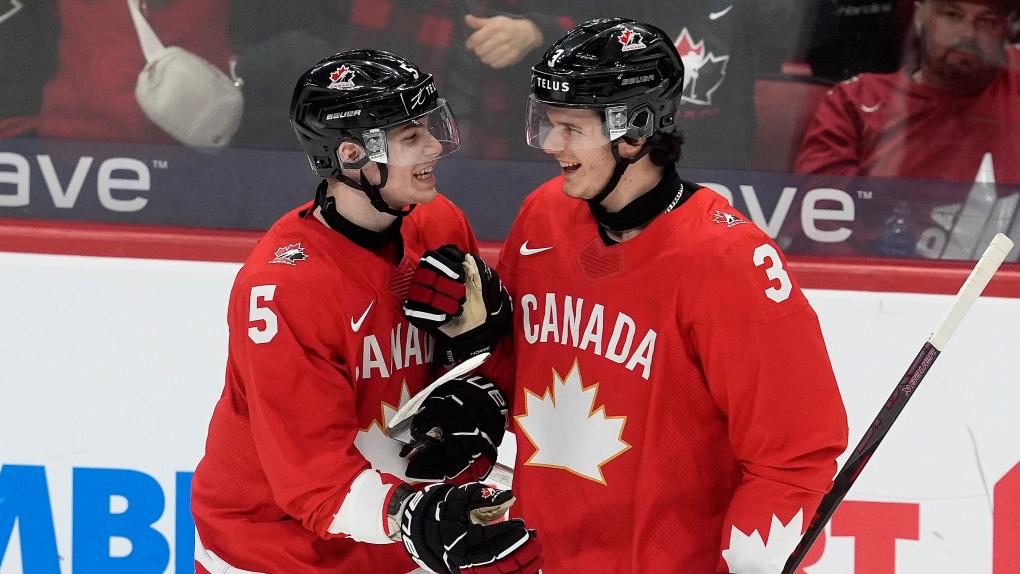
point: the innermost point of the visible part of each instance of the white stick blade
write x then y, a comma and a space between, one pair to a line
972, 288
399, 427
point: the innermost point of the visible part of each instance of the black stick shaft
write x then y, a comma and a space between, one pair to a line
862, 454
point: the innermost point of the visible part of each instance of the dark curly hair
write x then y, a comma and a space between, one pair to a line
665, 148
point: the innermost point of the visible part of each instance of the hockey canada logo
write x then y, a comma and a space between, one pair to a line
728, 218
290, 254
631, 40
705, 71
342, 78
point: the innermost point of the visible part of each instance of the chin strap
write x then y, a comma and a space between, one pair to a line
373, 193
358, 235
621, 166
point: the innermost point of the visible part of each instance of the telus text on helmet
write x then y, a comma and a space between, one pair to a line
555, 85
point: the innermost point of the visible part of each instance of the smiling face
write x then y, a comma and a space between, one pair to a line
412, 152
411, 156
575, 137
962, 42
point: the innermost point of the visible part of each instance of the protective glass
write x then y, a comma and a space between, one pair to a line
557, 128
420, 140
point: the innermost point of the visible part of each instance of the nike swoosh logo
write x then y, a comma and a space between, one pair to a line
525, 250
869, 109
356, 325
454, 543
720, 13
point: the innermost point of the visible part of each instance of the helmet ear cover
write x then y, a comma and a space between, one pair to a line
640, 123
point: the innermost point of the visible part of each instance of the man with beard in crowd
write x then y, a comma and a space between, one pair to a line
953, 113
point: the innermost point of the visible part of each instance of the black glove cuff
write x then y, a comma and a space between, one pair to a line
415, 526
482, 339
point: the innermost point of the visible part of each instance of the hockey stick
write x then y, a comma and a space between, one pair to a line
399, 427
972, 288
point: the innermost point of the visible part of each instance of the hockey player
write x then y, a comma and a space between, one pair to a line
674, 405
298, 476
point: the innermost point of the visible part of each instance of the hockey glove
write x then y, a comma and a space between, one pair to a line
447, 529
456, 431
460, 301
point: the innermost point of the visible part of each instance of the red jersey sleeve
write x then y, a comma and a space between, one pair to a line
768, 370
832, 140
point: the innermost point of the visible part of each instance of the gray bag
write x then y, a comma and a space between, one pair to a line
184, 94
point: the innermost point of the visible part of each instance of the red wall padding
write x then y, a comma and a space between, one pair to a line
152, 242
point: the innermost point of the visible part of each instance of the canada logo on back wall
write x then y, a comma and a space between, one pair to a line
704, 71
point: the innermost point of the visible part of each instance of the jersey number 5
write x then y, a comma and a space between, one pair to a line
774, 271
262, 314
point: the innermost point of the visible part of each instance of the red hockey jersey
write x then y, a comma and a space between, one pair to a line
886, 125
675, 409
297, 468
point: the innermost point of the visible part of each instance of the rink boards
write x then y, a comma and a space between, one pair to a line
109, 370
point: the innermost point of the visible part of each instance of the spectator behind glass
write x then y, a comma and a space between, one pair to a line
848, 37
92, 95
725, 47
939, 119
28, 55
474, 47
496, 71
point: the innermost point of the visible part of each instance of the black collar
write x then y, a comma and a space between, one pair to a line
367, 238
667, 195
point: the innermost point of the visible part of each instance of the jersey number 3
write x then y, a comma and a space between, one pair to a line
265, 315
774, 271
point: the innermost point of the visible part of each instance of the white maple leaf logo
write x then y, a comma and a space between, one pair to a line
568, 432
749, 554
382, 452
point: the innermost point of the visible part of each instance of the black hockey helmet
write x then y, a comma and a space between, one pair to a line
629, 71
361, 95
369, 97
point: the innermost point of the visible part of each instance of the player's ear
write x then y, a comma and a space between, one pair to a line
350, 152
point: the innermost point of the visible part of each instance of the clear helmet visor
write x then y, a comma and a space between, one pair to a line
425, 138
557, 128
